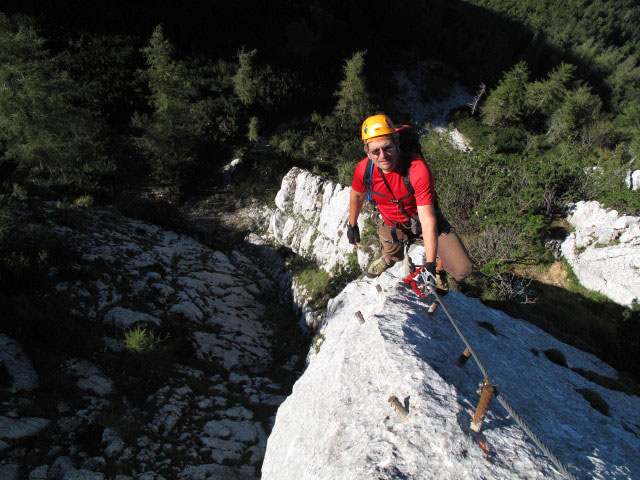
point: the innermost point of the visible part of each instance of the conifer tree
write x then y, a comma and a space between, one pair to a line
176, 126
506, 104
246, 81
47, 130
353, 100
579, 108
546, 96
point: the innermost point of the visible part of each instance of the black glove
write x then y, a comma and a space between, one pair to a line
353, 234
431, 268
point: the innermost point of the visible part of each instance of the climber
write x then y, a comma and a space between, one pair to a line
401, 184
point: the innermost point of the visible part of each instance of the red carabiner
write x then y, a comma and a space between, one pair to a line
410, 280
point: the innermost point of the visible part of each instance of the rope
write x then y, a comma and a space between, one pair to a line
430, 287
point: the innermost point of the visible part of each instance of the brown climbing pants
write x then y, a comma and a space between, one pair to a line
453, 257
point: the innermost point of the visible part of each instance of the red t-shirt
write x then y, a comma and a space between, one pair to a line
421, 181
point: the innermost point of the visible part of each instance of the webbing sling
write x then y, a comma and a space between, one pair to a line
443, 225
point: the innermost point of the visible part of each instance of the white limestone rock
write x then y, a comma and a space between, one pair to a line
39, 473
60, 467
455, 137
91, 379
82, 475
214, 471
312, 218
19, 428
633, 179
604, 251
188, 310
216, 301
125, 318
338, 424
243, 351
9, 471
18, 365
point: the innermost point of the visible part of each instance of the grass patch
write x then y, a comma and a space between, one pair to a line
556, 356
369, 235
142, 341
595, 400
321, 286
317, 342
84, 201
314, 281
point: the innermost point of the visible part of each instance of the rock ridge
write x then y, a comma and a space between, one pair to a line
338, 424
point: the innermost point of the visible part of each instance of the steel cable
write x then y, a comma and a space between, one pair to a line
430, 288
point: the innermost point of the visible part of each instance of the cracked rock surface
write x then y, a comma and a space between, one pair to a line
338, 422
604, 251
171, 369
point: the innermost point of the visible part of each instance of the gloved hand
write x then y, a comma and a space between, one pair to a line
431, 268
353, 234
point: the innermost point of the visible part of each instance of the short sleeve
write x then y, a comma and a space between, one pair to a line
422, 182
358, 176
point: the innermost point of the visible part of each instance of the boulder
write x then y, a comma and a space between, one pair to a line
604, 251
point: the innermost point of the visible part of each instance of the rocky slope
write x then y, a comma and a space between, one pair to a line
604, 251
311, 220
197, 404
338, 424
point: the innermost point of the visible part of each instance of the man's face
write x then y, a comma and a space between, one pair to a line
383, 153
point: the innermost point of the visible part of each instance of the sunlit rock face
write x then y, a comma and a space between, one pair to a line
312, 217
604, 251
338, 422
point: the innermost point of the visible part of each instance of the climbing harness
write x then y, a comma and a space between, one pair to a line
409, 144
427, 286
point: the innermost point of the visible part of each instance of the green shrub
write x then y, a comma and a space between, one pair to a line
19, 192
142, 341
85, 201
314, 281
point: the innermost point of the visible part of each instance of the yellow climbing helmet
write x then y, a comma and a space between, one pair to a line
377, 126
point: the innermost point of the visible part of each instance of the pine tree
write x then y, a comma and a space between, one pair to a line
246, 81
176, 127
47, 129
353, 100
547, 95
506, 104
579, 108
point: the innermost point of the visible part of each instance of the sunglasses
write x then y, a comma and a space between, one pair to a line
388, 150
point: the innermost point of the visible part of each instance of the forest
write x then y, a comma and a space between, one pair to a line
136, 107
